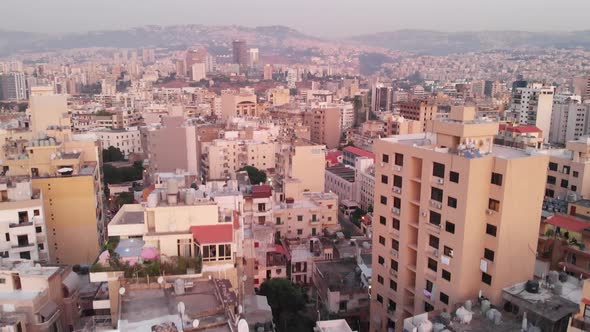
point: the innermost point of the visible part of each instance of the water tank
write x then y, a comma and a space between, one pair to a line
172, 199
558, 288
152, 200
179, 286
552, 277
190, 196
425, 326
562, 276
172, 186
485, 306
532, 286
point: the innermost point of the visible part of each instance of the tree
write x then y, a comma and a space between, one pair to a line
112, 154
255, 175
125, 198
286, 301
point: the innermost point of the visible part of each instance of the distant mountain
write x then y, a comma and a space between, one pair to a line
435, 42
179, 36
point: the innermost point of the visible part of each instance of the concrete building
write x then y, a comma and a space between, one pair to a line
569, 120
364, 179
324, 125
221, 158
278, 96
299, 168
47, 109
351, 154
533, 105
22, 221
519, 136
37, 299
381, 98
238, 103
268, 70
127, 140
340, 179
198, 71
419, 110
67, 173
582, 86
451, 209
253, 57
13, 86
240, 52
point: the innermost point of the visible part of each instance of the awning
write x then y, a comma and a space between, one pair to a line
281, 250
586, 301
71, 282
48, 309
568, 222
206, 234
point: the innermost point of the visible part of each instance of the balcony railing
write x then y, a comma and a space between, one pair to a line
20, 224
23, 245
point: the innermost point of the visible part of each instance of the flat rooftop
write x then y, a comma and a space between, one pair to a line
342, 171
132, 217
340, 275
26, 268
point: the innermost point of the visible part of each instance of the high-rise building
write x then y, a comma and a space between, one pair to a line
533, 105
419, 110
240, 52
268, 72
381, 98
451, 209
324, 125
198, 71
253, 57
13, 86
582, 86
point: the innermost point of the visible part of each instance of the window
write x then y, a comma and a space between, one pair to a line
381, 260
382, 220
224, 252
429, 286
385, 158
566, 170
436, 194
551, 179
494, 205
7, 237
444, 298
454, 177
380, 298
394, 244
38, 229
36, 212
399, 159
395, 224
278, 220
491, 229
448, 251
380, 279
564, 183
381, 240
428, 307
438, 170
452, 202
2, 280
432, 264
391, 306
435, 218
497, 179
397, 181
553, 166
383, 200
393, 285
446, 275
40, 246
384, 179
575, 174
549, 193
433, 241
450, 227
394, 265
299, 218
486, 278
209, 252
397, 203
343, 306
300, 231
574, 188
488, 254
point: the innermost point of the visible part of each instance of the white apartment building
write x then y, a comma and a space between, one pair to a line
569, 120
346, 116
533, 105
340, 179
22, 223
127, 140
364, 179
223, 157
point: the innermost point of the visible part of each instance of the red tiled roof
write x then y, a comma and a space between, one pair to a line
279, 248
221, 233
261, 191
332, 156
359, 152
568, 222
522, 129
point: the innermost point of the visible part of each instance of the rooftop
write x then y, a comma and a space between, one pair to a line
342, 171
341, 275
336, 325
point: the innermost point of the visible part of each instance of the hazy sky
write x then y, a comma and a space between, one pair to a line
318, 17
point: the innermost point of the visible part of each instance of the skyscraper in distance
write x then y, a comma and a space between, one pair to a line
240, 52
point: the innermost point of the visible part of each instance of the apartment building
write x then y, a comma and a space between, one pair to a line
221, 158
381, 98
351, 154
519, 136
37, 299
127, 140
451, 209
533, 105
364, 178
67, 173
238, 103
22, 220
340, 179
569, 120
299, 168
278, 96
324, 126
418, 110
13, 86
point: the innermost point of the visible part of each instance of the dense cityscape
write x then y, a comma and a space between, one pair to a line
260, 179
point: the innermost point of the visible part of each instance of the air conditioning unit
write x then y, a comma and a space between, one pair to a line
397, 190
394, 253
440, 180
395, 210
393, 273
490, 211
397, 168
435, 252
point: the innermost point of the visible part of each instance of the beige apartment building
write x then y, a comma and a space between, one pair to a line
38, 299
454, 215
238, 103
418, 110
300, 167
324, 125
278, 96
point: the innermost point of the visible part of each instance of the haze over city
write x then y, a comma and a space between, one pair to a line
326, 18
294, 166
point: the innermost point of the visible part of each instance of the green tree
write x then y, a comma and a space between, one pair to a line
125, 198
255, 175
112, 154
283, 296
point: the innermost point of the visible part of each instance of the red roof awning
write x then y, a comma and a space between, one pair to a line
261, 191
221, 233
279, 248
568, 222
586, 301
359, 152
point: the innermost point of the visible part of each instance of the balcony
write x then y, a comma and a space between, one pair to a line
20, 224
23, 245
435, 228
398, 168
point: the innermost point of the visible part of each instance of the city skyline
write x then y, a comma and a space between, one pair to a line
349, 19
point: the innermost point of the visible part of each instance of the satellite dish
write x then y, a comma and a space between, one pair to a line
195, 323
122, 291
240, 309
243, 326
181, 308
160, 280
